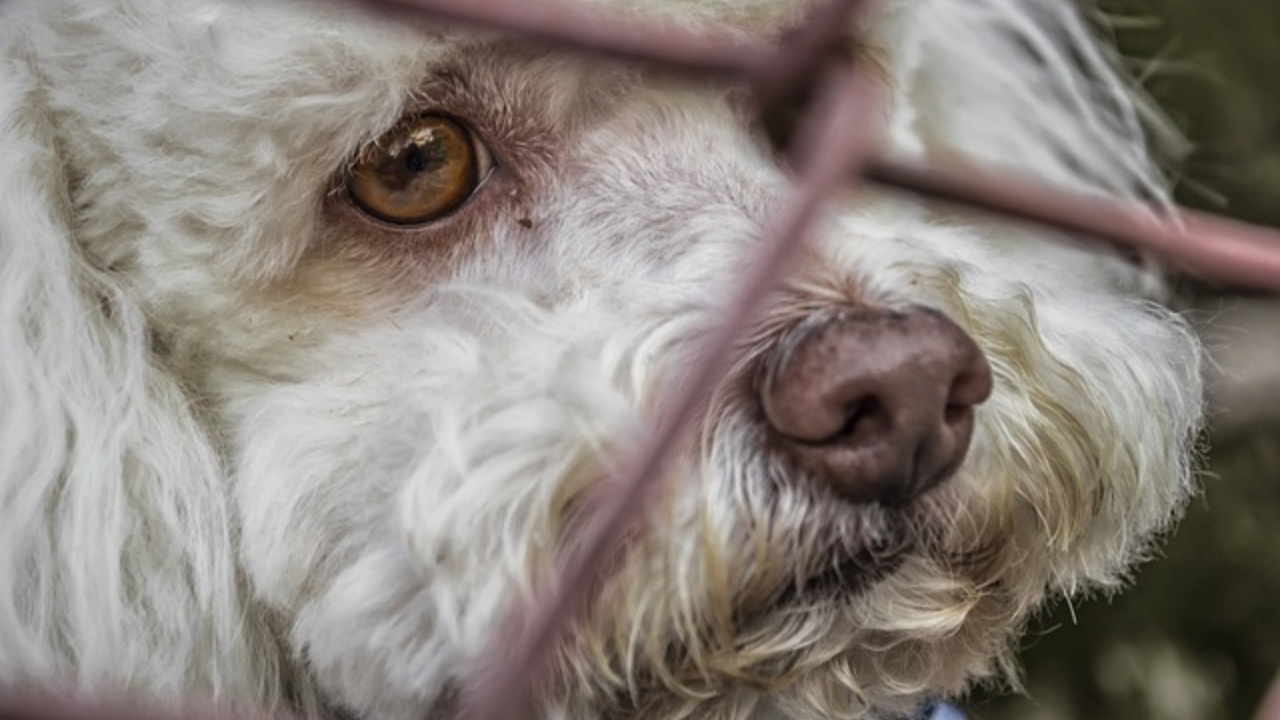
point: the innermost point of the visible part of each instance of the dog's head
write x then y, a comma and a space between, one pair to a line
321, 334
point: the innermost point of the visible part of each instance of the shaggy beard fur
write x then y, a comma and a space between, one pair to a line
258, 446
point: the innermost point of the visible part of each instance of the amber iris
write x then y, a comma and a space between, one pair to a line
417, 172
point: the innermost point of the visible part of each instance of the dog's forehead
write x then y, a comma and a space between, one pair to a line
759, 20
427, 41
757, 17
420, 63
337, 42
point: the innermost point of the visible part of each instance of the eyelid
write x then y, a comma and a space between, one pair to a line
485, 163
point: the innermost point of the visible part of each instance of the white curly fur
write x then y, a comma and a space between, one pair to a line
257, 447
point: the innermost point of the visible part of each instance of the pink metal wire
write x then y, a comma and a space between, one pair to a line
1271, 704
1205, 245
846, 144
842, 125
1215, 248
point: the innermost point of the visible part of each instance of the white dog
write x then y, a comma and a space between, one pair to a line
319, 331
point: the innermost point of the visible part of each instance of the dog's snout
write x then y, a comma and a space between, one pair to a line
880, 404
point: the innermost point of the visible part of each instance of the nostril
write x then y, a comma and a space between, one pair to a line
867, 416
955, 413
970, 389
862, 418
973, 383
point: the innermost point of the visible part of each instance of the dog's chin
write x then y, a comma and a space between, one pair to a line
867, 556
847, 570
849, 577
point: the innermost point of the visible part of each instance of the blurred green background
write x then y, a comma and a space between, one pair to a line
1213, 65
1198, 636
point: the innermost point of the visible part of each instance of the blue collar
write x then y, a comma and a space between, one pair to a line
939, 711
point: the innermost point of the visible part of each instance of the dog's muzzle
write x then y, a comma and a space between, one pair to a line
877, 403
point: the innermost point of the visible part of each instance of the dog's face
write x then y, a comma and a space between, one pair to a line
424, 287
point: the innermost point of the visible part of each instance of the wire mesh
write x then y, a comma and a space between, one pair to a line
841, 121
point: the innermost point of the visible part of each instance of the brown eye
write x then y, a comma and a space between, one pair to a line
419, 171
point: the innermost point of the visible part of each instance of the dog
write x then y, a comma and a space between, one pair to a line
322, 332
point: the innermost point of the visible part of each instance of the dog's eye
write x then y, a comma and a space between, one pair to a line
419, 171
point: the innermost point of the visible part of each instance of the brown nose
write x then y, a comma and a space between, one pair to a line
878, 403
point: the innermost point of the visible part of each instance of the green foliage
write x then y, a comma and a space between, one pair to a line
1212, 65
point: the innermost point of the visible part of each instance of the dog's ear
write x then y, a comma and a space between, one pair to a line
1030, 89
115, 542
1024, 86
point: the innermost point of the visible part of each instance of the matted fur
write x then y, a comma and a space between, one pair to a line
256, 446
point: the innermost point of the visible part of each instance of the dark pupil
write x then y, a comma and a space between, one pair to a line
419, 157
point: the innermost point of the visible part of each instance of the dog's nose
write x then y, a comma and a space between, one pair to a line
880, 404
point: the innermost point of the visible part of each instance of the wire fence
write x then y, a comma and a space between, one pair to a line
842, 121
